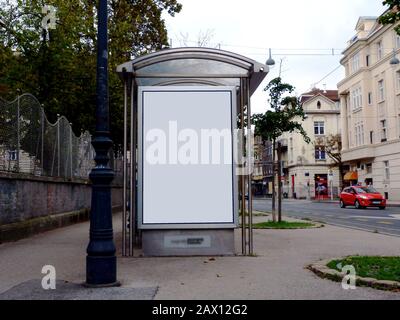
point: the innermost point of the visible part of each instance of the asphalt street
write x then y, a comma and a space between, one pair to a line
371, 219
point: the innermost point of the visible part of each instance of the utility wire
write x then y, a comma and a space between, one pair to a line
330, 73
332, 51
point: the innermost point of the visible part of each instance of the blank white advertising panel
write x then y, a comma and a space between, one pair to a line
186, 166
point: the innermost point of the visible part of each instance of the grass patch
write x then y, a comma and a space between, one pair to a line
380, 268
283, 225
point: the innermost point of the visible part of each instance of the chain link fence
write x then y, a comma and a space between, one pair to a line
30, 144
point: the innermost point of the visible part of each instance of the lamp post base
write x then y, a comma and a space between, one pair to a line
94, 286
101, 272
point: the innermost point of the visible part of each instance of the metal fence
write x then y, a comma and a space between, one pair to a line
30, 144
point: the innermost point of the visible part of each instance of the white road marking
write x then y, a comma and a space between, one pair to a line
390, 217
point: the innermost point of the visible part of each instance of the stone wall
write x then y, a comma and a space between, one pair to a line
25, 198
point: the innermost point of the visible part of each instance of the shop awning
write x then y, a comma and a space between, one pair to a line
350, 176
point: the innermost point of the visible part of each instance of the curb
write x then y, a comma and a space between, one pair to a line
315, 226
321, 269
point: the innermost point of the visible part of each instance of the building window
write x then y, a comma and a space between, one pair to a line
399, 124
397, 40
319, 128
12, 155
367, 60
369, 168
379, 50
356, 99
381, 90
320, 153
359, 132
398, 80
355, 63
319, 104
369, 98
362, 133
371, 137
387, 170
383, 131
357, 136
291, 149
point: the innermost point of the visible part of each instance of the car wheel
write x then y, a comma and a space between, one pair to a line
357, 205
342, 205
382, 208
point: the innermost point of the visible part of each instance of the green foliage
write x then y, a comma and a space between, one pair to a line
381, 268
59, 68
392, 15
283, 225
286, 114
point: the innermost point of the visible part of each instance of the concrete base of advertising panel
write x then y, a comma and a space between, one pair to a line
164, 243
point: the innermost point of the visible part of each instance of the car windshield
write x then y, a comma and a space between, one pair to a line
366, 190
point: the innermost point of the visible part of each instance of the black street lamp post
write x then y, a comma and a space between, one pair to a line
101, 262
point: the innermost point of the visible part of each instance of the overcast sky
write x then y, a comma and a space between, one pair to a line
288, 27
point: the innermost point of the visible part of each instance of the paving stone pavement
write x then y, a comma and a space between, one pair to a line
278, 271
32, 290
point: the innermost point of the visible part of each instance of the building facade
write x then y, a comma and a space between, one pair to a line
268, 168
258, 184
308, 170
370, 108
263, 168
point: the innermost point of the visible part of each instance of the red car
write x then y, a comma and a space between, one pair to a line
362, 197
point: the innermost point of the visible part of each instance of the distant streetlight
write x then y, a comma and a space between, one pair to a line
270, 61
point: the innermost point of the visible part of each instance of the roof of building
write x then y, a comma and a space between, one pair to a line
365, 18
330, 94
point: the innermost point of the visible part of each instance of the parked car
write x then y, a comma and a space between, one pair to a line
362, 197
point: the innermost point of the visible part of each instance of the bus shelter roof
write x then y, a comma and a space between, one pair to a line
194, 66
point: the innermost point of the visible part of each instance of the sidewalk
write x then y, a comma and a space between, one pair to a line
276, 273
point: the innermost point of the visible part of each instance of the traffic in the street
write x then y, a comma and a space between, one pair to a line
370, 219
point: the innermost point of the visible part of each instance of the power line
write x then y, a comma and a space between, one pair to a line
331, 51
330, 73
299, 54
263, 48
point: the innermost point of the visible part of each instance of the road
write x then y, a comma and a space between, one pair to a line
371, 219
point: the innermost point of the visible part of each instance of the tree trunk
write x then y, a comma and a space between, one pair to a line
273, 183
279, 182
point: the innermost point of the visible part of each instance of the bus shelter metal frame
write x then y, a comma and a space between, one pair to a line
130, 74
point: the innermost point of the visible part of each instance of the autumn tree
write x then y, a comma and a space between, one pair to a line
203, 39
332, 145
58, 65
